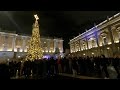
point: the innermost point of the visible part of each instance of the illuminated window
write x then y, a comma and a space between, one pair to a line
18, 49
104, 41
119, 36
84, 46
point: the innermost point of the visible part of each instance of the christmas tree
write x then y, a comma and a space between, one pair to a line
34, 50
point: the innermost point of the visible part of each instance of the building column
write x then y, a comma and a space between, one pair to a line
62, 46
13, 46
86, 42
23, 44
48, 45
111, 37
74, 47
99, 50
87, 45
5, 42
70, 47
13, 43
55, 41
79, 45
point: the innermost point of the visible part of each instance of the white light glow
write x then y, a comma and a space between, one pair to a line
61, 51
92, 53
1, 49
9, 50
15, 50
108, 48
104, 37
20, 50
8, 59
25, 50
84, 54
100, 44
109, 43
116, 41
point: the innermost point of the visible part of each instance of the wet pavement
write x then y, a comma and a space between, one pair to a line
55, 77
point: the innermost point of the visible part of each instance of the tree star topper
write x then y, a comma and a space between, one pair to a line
36, 17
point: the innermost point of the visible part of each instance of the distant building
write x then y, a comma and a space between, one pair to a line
103, 38
11, 43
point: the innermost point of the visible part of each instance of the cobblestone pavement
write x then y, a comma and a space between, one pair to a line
78, 76
61, 76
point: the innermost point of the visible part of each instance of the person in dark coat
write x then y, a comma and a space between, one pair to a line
52, 66
104, 64
44, 67
74, 67
115, 63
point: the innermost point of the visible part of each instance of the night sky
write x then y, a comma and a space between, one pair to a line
61, 24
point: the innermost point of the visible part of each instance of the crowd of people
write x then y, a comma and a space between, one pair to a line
87, 66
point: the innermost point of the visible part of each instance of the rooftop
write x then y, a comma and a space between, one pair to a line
111, 18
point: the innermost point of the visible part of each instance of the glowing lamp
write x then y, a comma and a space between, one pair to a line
84, 54
109, 43
116, 41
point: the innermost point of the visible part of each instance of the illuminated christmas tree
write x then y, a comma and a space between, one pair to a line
34, 50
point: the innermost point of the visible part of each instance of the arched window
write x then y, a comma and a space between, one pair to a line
18, 49
118, 32
104, 37
105, 41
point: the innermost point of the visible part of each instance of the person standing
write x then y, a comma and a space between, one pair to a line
104, 64
74, 67
59, 65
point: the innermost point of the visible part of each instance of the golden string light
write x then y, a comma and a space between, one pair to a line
34, 45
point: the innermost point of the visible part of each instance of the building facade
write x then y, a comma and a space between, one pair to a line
103, 38
11, 43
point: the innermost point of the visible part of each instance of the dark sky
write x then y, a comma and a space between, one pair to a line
65, 24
